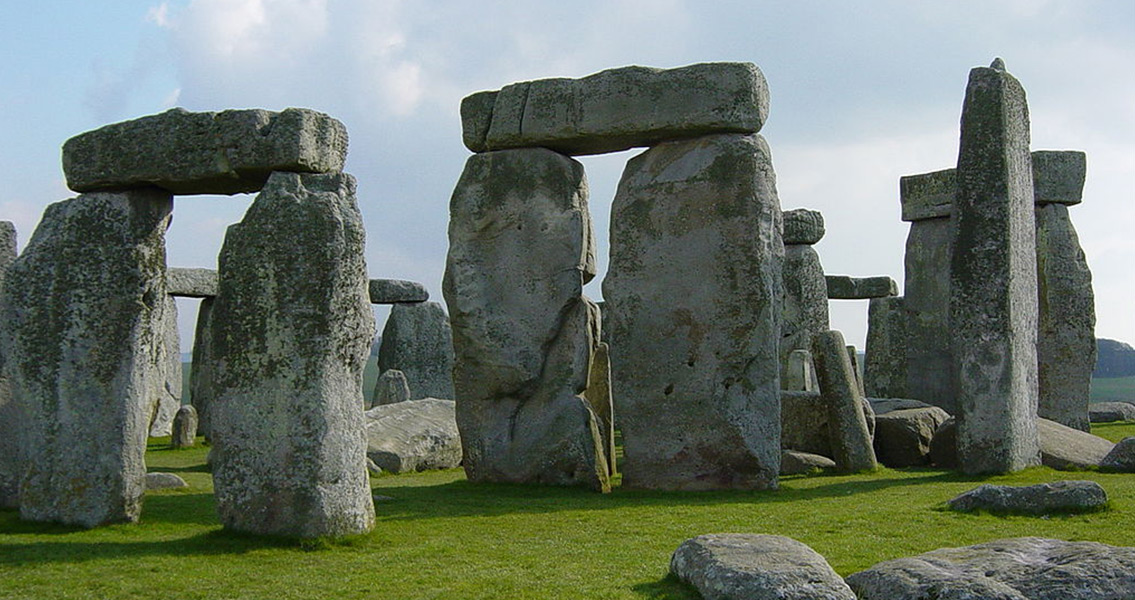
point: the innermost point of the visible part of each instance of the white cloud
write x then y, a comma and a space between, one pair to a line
159, 15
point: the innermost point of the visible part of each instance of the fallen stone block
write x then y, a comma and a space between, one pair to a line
1039, 499
415, 435
1061, 447
1110, 412
1121, 458
164, 481
902, 437
793, 462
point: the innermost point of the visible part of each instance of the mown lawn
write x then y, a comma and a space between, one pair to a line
443, 537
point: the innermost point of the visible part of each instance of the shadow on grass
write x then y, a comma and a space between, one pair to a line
667, 588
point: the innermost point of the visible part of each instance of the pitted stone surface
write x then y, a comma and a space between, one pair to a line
618, 109
694, 304
191, 283
417, 340
884, 371
927, 195
166, 394
1061, 447
82, 363
414, 436
1039, 499
1121, 458
804, 422
11, 422
1058, 176
391, 388
803, 226
845, 287
227, 152
929, 361
805, 307
290, 339
202, 386
396, 291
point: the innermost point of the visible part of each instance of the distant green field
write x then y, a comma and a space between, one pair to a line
1113, 389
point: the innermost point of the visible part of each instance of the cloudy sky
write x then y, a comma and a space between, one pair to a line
862, 93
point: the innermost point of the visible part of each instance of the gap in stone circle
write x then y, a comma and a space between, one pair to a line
603, 173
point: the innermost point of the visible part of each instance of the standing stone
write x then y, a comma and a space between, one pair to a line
847, 423
599, 395
166, 395
417, 340
290, 339
11, 422
798, 375
694, 296
391, 388
82, 310
184, 427
805, 308
202, 386
993, 286
926, 300
520, 250
884, 369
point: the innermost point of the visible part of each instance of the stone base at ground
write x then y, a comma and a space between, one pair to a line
1121, 458
902, 437
793, 462
1061, 447
1110, 412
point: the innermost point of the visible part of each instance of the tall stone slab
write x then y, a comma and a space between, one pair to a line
82, 308
693, 295
520, 250
166, 395
805, 308
10, 420
418, 341
884, 369
290, 338
848, 427
202, 385
993, 285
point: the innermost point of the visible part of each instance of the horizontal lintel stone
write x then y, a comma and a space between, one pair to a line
191, 283
397, 291
845, 287
927, 195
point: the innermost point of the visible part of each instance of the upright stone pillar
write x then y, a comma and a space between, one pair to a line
202, 388
166, 395
848, 426
805, 311
694, 298
290, 339
884, 371
993, 285
1066, 343
520, 250
81, 309
11, 422
417, 340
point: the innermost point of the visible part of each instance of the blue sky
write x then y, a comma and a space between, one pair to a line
862, 93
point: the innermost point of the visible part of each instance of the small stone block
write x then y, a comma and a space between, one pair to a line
395, 291
844, 287
927, 195
803, 226
191, 283
1058, 176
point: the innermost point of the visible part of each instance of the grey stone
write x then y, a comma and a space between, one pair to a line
857, 373
793, 462
845, 287
804, 423
882, 406
798, 374
1061, 447
847, 423
694, 304
202, 385
1039, 499
1121, 458
944, 445
728, 566
1066, 338
191, 283
803, 226
1058, 176
902, 437
598, 393
397, 291
415, 435
1008, 569
805, 305
927, 195
184, 433
290, 340
391, 388
884, 369
926, 300
417, 340
184, 152
618, 109
1109, 412
164, 481
11, 421
993, 280
166, 393
82, 363
520, 250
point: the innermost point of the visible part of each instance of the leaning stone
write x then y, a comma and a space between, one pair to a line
184, 427
418, 341
926, 300
396, 291
847, 423
166, 394
727, 566
229, 152
902, 437
882, 406
884, 369
1009, 569
290, 340
793, 462
618, 109
803, 226
519, 224
1110, 412
804, 310
927, 195
1066, 449
191, 283
694, 299
1039, 499
83, 363
414, 436
844, 287
1058, 176
11, 421
164, 481
993, 279
598, 394
1121, 458
391, 388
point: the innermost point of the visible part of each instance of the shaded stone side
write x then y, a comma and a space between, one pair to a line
993, 285
418, 341
10, 420
599, 395
805, 308
82, 309
520, 250
166, 394
290, 339
844, 287
694, 298
884, 369
929, 360
202, 388
1058, 176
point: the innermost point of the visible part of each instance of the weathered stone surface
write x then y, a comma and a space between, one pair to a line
1109, 412
1058, 176
694, 304
202, 385
191, 283
1066, 338
805, 308
944, 445
803, 226
1061, 447
857, 373
397, 291
520, 250
618, 109
184, 433
793, 462
926, 299
1009, 569
845, 287
290, 339
804, 422
82, 363
164, 481
414, 436
166, 394
882, 406
902, 437
847, 423
11, 423
727, 566
798, 374
993, 279
927, 195
598, 393
417, 340
884, 369
227, 152
1121, 458
1039, 499
391, 388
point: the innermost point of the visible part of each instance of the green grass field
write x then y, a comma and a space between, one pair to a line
443, 537
1113, 389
